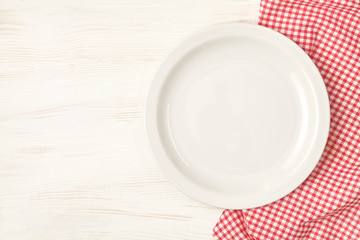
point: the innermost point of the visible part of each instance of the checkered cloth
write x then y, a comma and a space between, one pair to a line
327, 204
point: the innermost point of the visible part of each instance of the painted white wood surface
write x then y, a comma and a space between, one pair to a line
74, 162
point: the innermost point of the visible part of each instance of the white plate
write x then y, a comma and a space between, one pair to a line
237, 116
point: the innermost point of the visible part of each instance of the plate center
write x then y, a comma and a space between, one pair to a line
237, 116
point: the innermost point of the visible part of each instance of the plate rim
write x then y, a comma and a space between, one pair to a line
173, 174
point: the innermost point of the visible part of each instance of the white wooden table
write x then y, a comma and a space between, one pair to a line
74, 161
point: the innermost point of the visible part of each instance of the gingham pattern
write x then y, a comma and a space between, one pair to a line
327, 204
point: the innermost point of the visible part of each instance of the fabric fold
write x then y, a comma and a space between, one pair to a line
327, 204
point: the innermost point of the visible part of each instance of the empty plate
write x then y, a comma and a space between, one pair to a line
237, 116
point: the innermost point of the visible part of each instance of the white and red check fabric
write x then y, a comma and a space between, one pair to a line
327, 204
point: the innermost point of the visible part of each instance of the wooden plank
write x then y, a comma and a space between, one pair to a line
74, 162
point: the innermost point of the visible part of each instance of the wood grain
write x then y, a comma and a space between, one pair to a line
74, 162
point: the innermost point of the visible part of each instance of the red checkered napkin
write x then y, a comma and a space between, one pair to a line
327, 204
